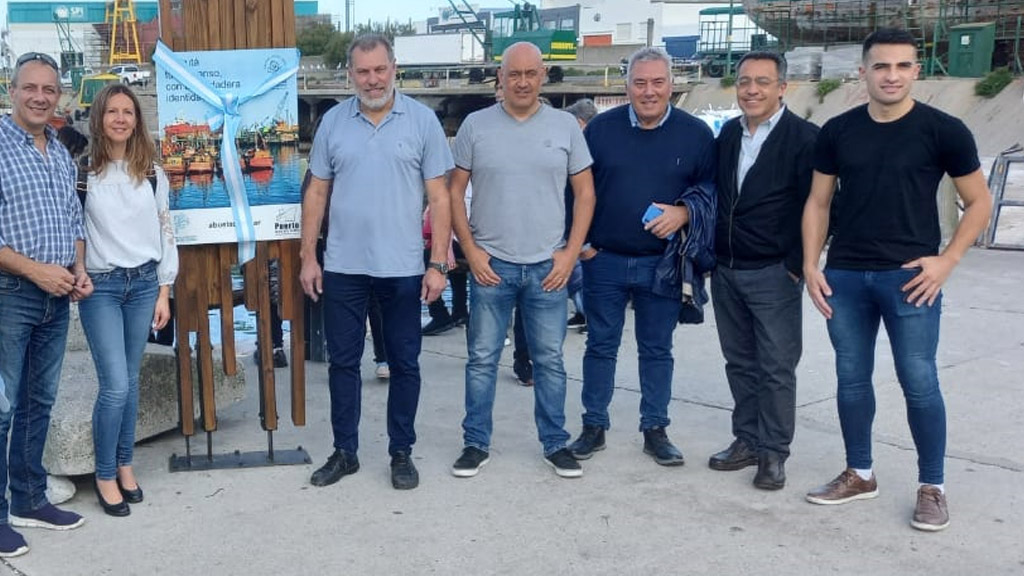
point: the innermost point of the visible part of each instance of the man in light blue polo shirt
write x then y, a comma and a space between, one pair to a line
383, 151
518, 154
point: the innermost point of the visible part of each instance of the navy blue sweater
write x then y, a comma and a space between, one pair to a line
635, 167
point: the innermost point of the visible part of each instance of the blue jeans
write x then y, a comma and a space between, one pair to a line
575, 287
33, 335
117, 319
609, 281
346, 298
544, 316
860, 299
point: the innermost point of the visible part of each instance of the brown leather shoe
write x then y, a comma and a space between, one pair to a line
931, 514
846, 487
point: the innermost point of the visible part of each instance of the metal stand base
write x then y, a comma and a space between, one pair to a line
238, 459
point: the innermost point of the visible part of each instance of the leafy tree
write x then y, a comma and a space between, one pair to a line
313, 40
336, 51
389, 29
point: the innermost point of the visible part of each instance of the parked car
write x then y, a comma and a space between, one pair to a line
67, 79
131, 74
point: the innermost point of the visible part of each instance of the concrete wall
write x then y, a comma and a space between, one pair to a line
996, 123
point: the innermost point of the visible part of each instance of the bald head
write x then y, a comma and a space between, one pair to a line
522, 72
523, 53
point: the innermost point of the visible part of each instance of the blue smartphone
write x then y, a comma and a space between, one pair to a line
652, 213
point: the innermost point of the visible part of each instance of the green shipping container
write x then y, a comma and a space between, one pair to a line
970, 49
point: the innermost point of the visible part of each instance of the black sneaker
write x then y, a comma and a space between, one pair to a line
578, 321
591, 440
435, 327
657, 444
403, 473
280, 360
461, 319
470, 462
49, 517
11, 543
564, 464
338, 464
523, 370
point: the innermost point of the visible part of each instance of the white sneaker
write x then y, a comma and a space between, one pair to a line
383, 372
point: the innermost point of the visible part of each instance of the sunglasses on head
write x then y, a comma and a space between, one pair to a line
44, 58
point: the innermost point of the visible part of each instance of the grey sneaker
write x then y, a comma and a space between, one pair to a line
470, 462
931, 513
846, 487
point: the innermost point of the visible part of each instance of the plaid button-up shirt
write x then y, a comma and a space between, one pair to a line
40, 214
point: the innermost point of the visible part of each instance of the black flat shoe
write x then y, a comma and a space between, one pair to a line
119, 509
130, 496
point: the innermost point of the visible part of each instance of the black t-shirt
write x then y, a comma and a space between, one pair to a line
889, 173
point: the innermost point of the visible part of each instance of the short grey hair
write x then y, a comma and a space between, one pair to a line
583, 109
367, 43
649, 54
780, 61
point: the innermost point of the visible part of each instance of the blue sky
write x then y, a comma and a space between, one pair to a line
381, 10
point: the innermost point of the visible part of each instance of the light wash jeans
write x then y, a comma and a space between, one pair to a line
117, 319
544, 315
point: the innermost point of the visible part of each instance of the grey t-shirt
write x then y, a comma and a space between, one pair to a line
378, 173
518, 171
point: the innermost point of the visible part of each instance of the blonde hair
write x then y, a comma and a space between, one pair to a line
140, 152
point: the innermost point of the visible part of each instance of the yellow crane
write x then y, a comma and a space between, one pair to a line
124, 35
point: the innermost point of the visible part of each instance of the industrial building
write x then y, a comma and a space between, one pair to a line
49, 27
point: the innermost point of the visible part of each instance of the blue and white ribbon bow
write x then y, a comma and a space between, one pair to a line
228, 104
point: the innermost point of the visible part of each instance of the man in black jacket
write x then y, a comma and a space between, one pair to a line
764, 175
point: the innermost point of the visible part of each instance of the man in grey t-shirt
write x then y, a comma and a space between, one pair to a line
518, 154
383, 151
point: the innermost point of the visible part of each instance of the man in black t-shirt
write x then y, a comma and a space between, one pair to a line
884, 262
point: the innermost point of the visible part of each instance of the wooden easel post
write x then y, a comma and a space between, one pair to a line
204, 277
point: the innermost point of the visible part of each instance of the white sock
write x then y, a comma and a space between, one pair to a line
941, 487
864, 473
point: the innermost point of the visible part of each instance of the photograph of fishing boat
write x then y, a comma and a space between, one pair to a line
270, 167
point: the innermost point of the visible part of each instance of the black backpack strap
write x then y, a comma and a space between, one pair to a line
82, 183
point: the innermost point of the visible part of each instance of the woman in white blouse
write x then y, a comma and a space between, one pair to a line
131, 258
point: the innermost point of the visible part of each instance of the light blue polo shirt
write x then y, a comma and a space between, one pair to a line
378, 171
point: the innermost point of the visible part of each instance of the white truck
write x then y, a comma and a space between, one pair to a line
437, 50
131, 74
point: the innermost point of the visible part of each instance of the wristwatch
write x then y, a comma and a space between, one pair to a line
441, 267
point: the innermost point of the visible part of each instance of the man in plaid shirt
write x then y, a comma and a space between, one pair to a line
42, 269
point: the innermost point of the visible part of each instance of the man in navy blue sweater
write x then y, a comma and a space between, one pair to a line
646, 153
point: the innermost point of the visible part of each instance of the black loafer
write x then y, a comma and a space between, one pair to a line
736, 457
403, 472
119, 509
130, 496
338, 464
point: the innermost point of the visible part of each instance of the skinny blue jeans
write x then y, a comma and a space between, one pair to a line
117, 319
860, 301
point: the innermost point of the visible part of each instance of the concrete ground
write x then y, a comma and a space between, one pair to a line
627, 515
